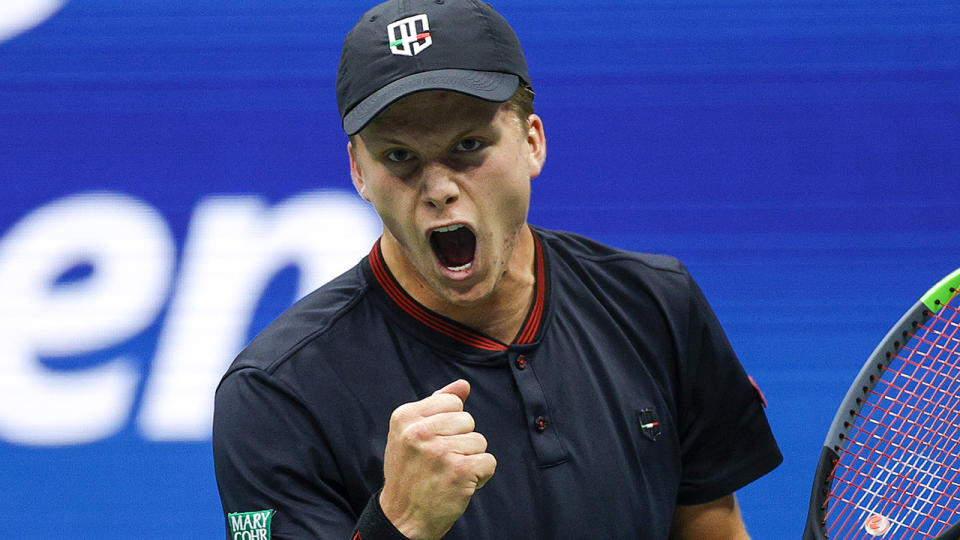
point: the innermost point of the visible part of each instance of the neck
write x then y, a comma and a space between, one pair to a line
499, 314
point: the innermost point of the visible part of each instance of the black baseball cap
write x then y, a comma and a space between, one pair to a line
404, 46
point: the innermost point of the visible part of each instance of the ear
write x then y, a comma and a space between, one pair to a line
355, 173
536, 145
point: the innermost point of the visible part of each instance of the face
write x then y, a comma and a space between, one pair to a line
449, 176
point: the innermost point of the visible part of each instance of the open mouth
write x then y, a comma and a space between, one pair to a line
454, 246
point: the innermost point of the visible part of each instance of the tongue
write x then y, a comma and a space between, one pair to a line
454, 248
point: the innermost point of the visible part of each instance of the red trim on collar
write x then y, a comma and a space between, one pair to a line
450, 328
532, 325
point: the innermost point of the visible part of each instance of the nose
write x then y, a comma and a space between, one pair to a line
440, 188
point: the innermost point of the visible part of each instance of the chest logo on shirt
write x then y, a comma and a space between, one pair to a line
250, 525
649, 423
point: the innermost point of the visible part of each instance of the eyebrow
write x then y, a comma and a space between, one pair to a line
387, 134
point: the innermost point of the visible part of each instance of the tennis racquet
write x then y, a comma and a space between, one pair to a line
890, 466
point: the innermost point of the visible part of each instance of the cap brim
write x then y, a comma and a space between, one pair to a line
487, 85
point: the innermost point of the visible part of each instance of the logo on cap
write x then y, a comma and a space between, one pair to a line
409, 36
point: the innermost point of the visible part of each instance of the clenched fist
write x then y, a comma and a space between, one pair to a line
433, 463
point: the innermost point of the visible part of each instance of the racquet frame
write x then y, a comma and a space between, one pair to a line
869, 375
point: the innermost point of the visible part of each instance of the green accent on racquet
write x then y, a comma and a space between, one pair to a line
941, 292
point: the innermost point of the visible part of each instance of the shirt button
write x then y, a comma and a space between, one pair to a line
521, 362
540, 423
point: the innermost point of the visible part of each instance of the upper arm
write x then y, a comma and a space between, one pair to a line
715, 520
725, 439
267, 456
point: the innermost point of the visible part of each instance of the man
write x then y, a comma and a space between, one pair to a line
476, 377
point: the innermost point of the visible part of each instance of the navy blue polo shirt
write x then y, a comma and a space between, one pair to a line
619, 399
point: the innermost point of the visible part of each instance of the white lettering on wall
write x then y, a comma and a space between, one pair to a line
129, 249
23, 15
234, 246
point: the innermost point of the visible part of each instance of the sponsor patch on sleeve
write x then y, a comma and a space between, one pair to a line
250, 525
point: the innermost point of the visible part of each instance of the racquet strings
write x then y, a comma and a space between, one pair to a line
901, 460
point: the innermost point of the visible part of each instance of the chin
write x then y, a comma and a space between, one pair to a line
465, 296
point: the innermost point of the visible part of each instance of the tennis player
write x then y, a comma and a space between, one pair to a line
475, 376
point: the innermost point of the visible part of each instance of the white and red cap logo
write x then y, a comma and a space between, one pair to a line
409, 36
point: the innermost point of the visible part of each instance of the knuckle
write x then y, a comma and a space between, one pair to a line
490, 468
457, 465
417, 432
400, 414
437, 451
481, 441
487, 466
450, 401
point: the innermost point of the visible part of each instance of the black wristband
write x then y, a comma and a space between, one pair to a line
373, 525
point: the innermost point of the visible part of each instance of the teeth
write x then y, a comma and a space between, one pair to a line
450, 228
460, 268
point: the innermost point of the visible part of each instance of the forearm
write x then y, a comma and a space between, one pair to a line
715, 520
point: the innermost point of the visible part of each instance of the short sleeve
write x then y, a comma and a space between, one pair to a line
268, 455
725, 438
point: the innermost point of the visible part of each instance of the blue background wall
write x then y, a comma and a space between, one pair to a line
800, 157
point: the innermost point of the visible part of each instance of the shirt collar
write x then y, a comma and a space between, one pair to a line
384, 279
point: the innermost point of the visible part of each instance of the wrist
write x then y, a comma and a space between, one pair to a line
405, 523
374, 525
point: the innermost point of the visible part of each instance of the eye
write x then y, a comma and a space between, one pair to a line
399, 155
469, 145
